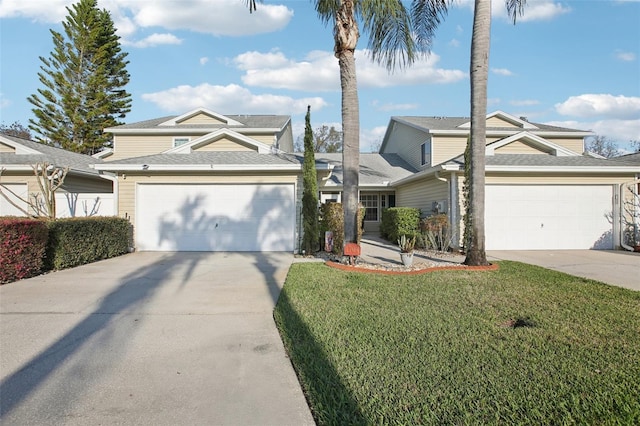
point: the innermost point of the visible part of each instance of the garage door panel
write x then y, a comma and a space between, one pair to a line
215, 217
531, 217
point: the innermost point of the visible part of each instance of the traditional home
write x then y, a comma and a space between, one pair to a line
85, 191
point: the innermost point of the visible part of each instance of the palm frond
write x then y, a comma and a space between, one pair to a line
515, 8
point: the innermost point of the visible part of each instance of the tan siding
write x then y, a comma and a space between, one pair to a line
6, 148
265, 138
444, 148
421, 194
519, 147
127, 191
202, 119
499, 122
225, 145
135, 146
574, 144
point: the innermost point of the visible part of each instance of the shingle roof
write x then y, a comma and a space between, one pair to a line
57, 156
247, 122
543, 160
452, 123
629, 158
211, 157
375, 169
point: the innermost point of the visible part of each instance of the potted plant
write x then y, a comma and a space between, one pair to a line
406, 245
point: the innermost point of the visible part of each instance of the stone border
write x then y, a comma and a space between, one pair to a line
349, 268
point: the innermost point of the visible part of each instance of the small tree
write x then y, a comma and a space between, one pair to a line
41, 204
310, 191
601, 145
16, 130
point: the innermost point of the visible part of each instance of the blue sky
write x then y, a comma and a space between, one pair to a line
567, 63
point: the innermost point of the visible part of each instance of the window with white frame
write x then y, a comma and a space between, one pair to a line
425, 153
180, 141
370, 204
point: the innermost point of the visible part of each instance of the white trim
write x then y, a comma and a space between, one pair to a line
564, 169
106, 152
20, 149
523, 124
173, 141
558, 151
195, 167
219, 134
177, 120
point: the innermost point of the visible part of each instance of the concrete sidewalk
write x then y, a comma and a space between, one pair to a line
149, 338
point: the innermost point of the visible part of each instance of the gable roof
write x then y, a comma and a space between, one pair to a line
217, 135
28, 152
512, 119
536, 141
175, 124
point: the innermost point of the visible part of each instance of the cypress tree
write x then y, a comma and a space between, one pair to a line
83, 80
310, 191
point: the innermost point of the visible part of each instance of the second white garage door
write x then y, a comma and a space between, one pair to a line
538, 217
207, 217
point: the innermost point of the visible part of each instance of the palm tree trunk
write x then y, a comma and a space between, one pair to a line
479, 70
346, 37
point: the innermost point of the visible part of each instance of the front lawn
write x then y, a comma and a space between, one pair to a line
522, 345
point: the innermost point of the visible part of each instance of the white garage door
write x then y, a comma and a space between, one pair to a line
19, 189
207, 217
532, 217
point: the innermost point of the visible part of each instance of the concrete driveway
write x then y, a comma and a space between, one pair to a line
149, 338
620, 268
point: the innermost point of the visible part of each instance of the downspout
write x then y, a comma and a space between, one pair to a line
621, 207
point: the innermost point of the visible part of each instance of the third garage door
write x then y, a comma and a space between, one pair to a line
538, 217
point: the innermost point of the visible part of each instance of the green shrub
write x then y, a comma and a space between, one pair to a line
398, 221
22, 246
333, 220
77, 241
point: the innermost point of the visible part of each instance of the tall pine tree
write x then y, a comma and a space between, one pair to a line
84, 80
310, 191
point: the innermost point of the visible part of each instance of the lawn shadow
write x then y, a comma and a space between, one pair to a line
330, 400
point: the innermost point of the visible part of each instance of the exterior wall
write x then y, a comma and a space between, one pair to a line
225, 145
265, 138
6, 148
202, 119
405, 141
444, 148
499, 122
127, 185
518, 147
285, 139
125, 146
574, 144
422, 194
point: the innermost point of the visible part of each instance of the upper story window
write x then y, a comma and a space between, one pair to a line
425, 153
180, 141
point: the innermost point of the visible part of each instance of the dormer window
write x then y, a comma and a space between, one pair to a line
180, 141
425, 153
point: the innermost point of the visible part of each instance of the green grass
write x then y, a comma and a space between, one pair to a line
522, 345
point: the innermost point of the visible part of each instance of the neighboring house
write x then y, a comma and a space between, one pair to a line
203, 181
542, 191
85, 191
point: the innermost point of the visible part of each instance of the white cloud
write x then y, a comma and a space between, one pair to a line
319, 71
534, 10
600, 105
620, 131
454, 43
154, 40
229, 99
502, 71
4, 102
370, 139
204, 60
388, 106
625, 56
217, 17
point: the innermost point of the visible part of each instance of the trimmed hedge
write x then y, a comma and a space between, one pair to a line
22, 247
398, 221
78, 241
333, 220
